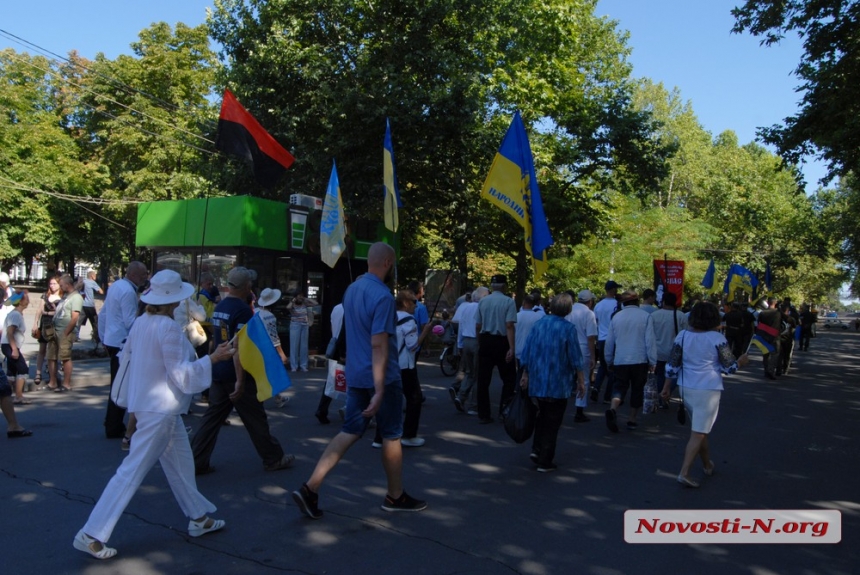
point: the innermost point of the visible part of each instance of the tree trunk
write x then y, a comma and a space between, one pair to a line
523, 273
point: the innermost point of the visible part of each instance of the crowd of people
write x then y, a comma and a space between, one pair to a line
175, 341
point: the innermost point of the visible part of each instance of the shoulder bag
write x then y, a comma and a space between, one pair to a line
195, 333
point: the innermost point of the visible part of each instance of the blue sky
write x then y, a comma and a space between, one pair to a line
732, 82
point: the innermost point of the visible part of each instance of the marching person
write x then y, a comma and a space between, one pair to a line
163, 374
373, 384
698, 359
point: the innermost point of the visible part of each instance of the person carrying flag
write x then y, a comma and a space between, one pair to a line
233, 387
768, 329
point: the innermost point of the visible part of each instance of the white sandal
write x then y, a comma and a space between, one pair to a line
204, 526
87, 544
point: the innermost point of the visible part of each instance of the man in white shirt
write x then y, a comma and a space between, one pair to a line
115, 319
667, 323
632, 353
603, 313
466, 320
526, 318
582, 317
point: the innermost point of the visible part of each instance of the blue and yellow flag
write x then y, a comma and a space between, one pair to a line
332, 229
740, 279
708, 280
512, 186
763, 345
259, 358
389, 180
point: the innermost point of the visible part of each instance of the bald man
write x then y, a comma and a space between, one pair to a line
374, 387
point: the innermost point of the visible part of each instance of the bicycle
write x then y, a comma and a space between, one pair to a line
449, 361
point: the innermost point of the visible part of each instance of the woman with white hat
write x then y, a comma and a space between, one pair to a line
163, 374
267, 298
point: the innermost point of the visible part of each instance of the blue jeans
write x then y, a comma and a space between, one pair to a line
298, 345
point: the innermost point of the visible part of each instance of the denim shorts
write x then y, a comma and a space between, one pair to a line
389, 418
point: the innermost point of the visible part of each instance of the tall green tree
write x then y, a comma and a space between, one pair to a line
38, 154
322, 76
148, 118
828, 122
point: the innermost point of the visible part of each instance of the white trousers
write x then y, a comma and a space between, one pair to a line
161, 438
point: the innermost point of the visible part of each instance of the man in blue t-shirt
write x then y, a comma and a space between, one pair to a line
233, 387
373, 384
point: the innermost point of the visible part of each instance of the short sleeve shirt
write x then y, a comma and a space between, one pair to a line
73, 302
230, 315
89, 288
494, 312
369, 310
14, 318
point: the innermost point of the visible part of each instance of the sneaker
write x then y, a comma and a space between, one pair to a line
412, 441
283, 463
547, 468
307, 501
452, 392
376, 444
534, 457
126, 443
632, 425
281, 401
611, 422
472, 412
403, 503
459, 405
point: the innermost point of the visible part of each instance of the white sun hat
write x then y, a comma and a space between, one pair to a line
268, 297
166, 287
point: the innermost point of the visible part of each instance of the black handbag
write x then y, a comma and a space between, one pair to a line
520, 414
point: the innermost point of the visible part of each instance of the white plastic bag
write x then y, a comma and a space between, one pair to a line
335, 384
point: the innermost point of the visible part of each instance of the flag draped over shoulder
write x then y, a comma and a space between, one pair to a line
740, 278
259, 358
240, 134
332, 230
708, 280
512, 186
389, 180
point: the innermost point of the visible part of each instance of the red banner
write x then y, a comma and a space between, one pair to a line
669, 276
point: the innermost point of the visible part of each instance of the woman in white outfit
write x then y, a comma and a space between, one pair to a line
699, 358
163, 374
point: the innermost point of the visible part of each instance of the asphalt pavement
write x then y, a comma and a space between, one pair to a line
788, 444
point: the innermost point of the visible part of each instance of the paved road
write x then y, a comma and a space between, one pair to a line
784, 445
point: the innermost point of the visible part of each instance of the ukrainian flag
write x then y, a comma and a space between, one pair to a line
259, 358
740, 279
512, 186
389, 180
762, 344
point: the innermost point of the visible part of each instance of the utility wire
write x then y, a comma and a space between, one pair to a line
102, 96
12, 184
119, 83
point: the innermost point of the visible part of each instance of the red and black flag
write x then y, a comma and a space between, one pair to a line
240, 134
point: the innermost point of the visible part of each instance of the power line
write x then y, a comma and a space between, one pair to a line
98, 95
14, 185
119, 83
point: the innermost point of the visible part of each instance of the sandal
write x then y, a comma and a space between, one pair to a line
21, 401
709, 471
204, 526
19, 433
94, 547
126, 443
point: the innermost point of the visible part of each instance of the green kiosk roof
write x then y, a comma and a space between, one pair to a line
231, 221
234, 221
